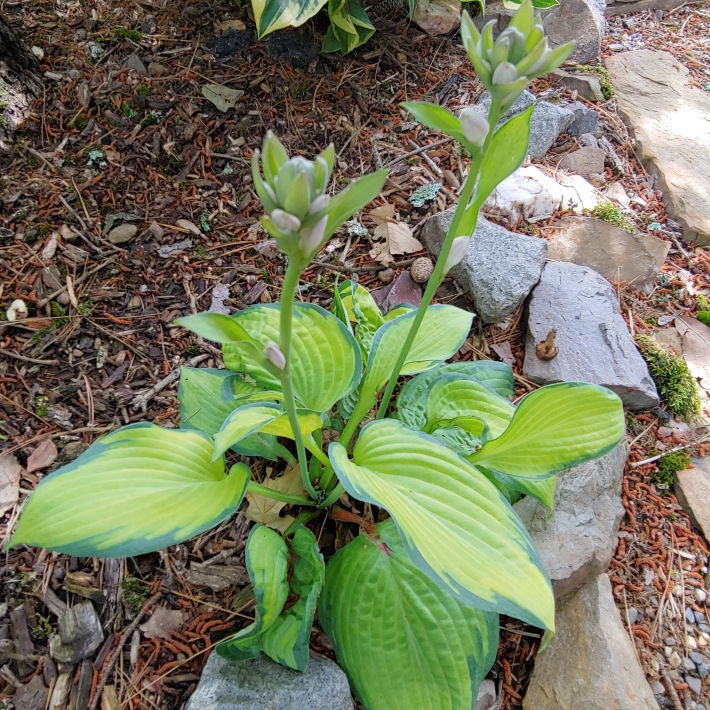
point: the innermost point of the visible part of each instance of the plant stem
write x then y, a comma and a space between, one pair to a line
288, 293
438, 274
254, 487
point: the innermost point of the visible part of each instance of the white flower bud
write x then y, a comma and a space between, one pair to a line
311, 237
17, 310
320, 203
505, 73
284, 221
459, 249
474, 125
274, 355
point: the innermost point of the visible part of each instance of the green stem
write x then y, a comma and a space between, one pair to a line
333, 496
288, 293
302, 519
438, 274
254, 487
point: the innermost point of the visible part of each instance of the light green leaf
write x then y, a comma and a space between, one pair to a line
264, 418
398, 311
438, 118
349, 28
272, 15
360, 309
458, 440
554, 428
286, 640
455, 524
267, 563
326, 364
403, 641
136, 490
215, 326
541, 488
354, 197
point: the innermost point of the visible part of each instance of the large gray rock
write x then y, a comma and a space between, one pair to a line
500, 268
261, 684
584, 161
670, 120
616, 254
547, 122
593, 342
625, 7
692, 489
577, 542
590, 663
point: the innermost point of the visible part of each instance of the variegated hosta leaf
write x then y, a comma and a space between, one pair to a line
403, 641
272, 15
286, 640
454, 522
541, 488
265, 419
136, 490
411, 403
349, 28
326, 364
267, 563
355, 304
554, 428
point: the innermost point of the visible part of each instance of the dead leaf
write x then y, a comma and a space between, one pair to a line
109, 698
503, 351
42, 457
188, 226
10, 472
222, 97
266, 510
696, 348
232, 25
396, 236
162, 623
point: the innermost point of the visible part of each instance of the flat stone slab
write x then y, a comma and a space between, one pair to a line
262, 684
590, 663
592, 340
585, 161
692, 488
616, 254
670, 120
500, 268
577, 542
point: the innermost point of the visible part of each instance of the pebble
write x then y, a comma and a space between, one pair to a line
633, 614
703, 670
688, 664
695, 684
63, 299
691, 642
689, 615
385, 276
703, 639
700, 595
670, 641
657, 688
699, 617
704, 628
678, 590
695, 657
674, 659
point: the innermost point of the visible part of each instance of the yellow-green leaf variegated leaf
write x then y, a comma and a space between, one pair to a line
272, 15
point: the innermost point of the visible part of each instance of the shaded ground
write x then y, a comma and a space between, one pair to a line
107, 146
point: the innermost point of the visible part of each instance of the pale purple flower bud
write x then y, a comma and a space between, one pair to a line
274, 355
284, 221
459, 249
320, 203
474, 125
311, 237
505, 73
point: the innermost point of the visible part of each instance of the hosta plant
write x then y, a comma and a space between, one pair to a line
411, 604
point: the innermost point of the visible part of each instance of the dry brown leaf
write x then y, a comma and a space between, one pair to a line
162, 622
396, 237
10, 472
232, 25
696, 348
266, 510
188, 226
42, 457
109, 698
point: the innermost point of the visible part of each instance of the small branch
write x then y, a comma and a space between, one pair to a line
24, 358
429, 146
363, 269
636, 464
140, 401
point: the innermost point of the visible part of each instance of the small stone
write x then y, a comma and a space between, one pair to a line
699, 617
688, 664
487, 694
588, 140
692, 489
421, 269
633, 614
79, 634
691, 642
670, 641
678, 591
616, 193
703, 670
157, 69
63, 299
657, 688
586, 120
585, 161
695, 684
696, 657
386, 276
437, 17
122, 234
136, 63
690, 617
587, 86
674, 659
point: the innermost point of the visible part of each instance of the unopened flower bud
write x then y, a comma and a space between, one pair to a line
311, 237
505, 73
320, 203
474, 126
459, 249
284, 221
274, 355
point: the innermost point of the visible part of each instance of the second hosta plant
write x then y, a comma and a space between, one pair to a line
411, 605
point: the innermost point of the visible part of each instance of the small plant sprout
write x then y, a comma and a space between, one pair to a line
412, 606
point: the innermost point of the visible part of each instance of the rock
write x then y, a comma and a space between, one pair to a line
624, 7
633, 614
588, 140
80, 634
403, 290
657, 688
670, 120
700, 595
136, 63
31, 696
593, 342
590, 662
692, 489
616, 193
587, 86
585, 161
579, 20
261, 683
500, 268
695, 684
547, 122
156, 69
616, 254
437, 17
486, 698
122, 234
533, 195
576, 543
586, 120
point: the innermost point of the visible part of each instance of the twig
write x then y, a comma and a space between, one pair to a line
429, 146
363, 269
140, 401
636, 464
429, 161
77, 281
668, 683
119, 649
24, 358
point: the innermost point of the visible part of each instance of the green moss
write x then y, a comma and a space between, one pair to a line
609, 212
604, 78
701, 301
135, 592
193, 350
703, 317
676, 386
122, 33
57, 310
667, 467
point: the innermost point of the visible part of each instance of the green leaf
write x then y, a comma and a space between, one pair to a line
286, 640
457, 439
455, 524
350, 26
272, 15
403, 641
267, 563
215, 326
437, 118
354, 197
541, 488
136, 490
554, 428
441, 334
398, 311
326, 364
359, 308
264, 418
